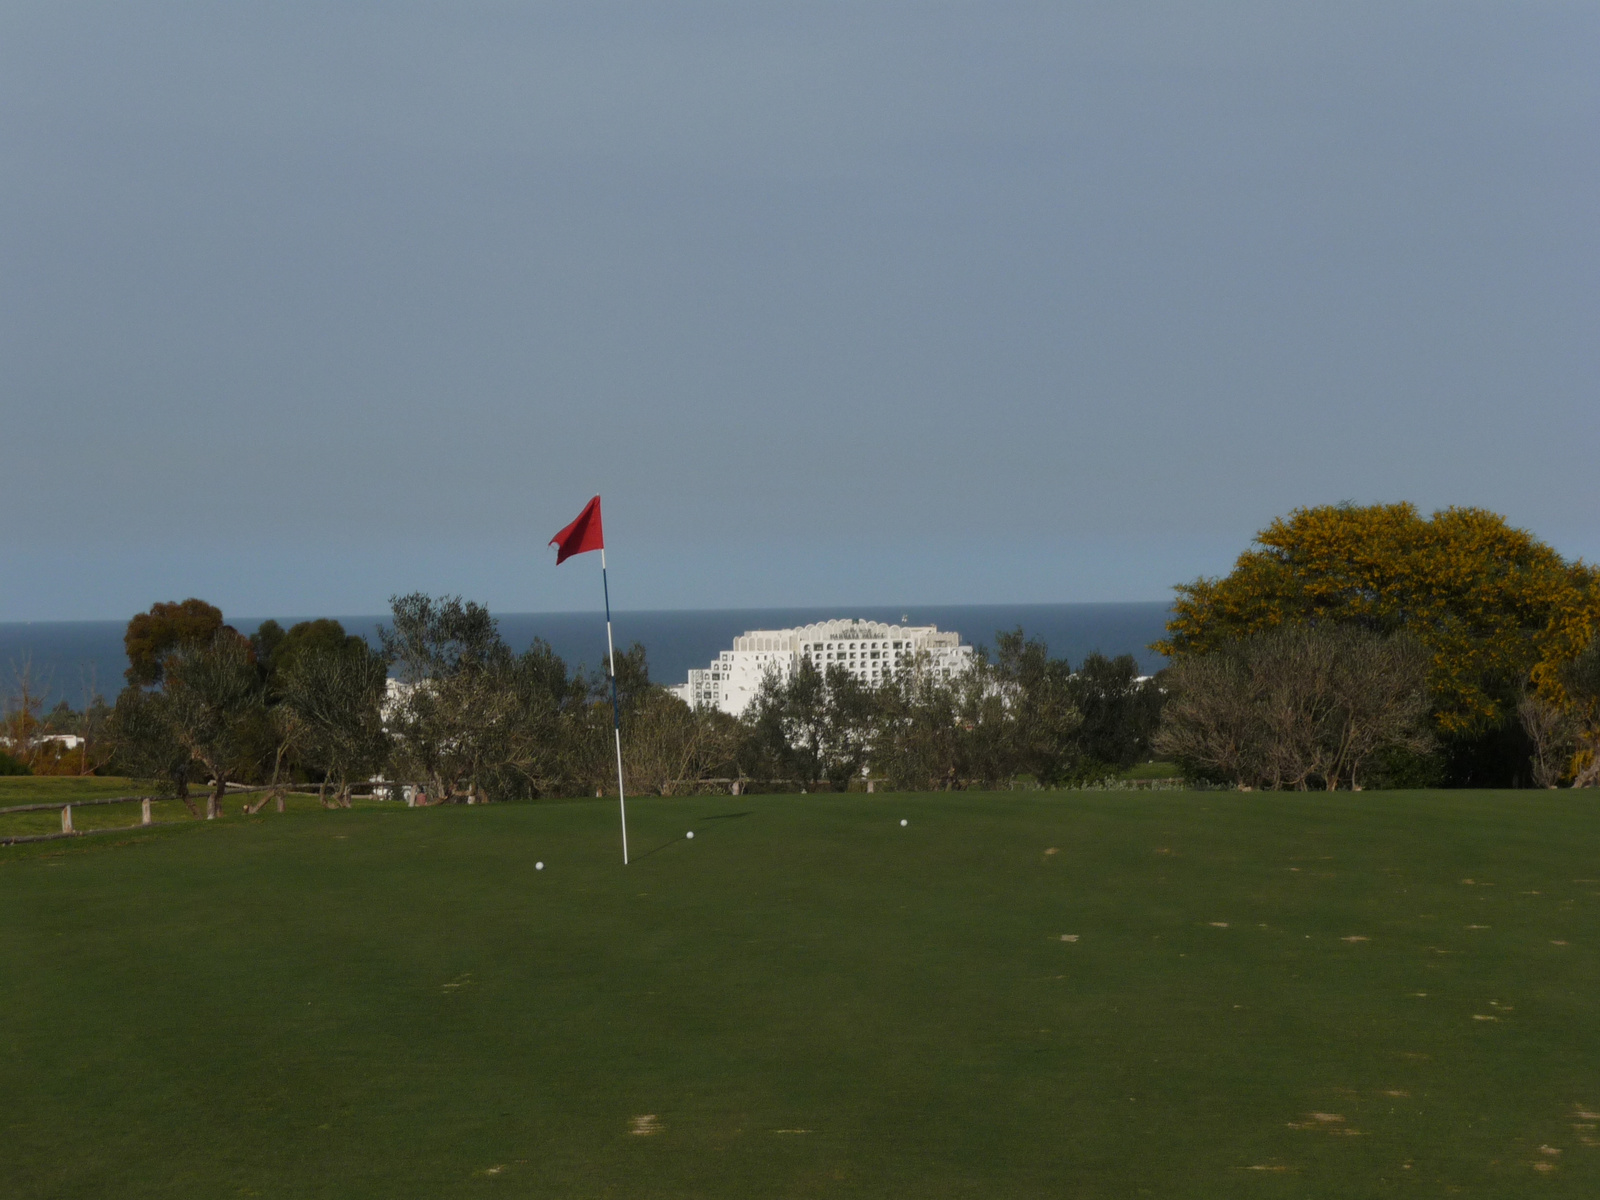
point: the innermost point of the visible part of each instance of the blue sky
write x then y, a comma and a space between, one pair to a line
304, 305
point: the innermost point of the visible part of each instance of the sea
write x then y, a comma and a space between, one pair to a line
77, 660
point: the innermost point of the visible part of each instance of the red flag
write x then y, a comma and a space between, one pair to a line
582, 535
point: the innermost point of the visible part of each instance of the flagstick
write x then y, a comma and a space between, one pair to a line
616, 713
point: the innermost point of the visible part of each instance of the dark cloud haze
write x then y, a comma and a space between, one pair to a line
302, 305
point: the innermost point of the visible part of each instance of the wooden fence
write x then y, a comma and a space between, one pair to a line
66, 806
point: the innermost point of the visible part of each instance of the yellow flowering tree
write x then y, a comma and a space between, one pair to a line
1496, 608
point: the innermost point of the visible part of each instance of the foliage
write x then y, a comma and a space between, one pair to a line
10, 765
1580, 680
1494, 606
1552, 730
145, 745
332, 692
1038, 711
470, 719
809, 725
671, 747
919, 742
469, 715
919, 729
1121, 713
209, 694
152, 636
324, 637
1298, 707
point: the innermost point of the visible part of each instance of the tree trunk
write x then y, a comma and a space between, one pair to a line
219, 787
180, 783
274, 792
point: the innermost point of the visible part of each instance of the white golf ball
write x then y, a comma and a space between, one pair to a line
902, 821
538, 866
690, 834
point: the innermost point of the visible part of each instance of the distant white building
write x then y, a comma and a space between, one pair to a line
869, 650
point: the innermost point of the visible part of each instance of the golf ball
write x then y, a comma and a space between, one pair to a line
690, 834
538, 866
902, 821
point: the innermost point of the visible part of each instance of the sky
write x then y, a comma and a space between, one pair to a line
305, 305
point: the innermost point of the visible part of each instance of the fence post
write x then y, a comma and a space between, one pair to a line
144, 811
66, 819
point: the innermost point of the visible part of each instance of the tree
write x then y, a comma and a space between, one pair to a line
809, 725
469, 714
151, 636
1298, 707
1552, 732
787, 726
1580, 681
209, 693
1495, 608
919, 743
332, 693
1044, 719
983, 724
323, 636
1121, 712
145, 745
670, 745
22, 722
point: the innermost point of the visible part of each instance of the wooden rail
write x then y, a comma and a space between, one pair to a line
66, 807
17, 808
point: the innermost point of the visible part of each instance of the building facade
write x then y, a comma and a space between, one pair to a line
870, 650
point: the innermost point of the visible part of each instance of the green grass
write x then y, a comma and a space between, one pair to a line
15, 790
1152, 770
810, 1000
55, 789
41, 789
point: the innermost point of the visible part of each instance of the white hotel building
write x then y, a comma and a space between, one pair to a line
869, 650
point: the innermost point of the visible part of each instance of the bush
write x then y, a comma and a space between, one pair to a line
10, 766
1303, 706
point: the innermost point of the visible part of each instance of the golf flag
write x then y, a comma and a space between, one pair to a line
580, 537
583, 535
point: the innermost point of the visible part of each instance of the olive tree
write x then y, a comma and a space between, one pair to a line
331, 706
209, 693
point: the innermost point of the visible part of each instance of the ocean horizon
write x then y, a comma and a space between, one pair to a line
75, 660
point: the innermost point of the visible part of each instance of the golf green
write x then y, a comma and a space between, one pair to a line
1068, 994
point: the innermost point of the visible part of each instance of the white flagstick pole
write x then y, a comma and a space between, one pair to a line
616, 713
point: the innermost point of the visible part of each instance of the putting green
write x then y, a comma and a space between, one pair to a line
1072, 994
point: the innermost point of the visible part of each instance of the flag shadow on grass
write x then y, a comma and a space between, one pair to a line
681, 837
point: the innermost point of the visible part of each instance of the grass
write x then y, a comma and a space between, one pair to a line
47, 789
41, 789
1373, 995
1152, 770
55, 789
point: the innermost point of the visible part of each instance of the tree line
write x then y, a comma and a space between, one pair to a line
1350, 647
444, 703
1371, 646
